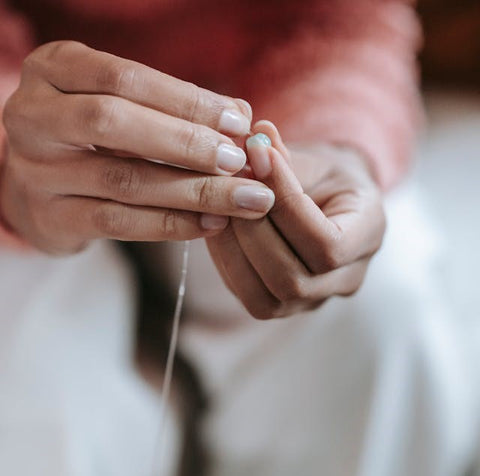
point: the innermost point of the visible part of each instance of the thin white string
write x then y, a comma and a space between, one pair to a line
172, 348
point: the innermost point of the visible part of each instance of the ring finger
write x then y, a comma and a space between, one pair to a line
140, 182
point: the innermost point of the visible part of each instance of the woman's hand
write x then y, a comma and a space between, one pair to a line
316, 241
77, 128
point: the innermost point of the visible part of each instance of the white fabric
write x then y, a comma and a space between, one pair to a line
71, 403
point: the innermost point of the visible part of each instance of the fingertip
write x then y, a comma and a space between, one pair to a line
267, 127
229, 159
233, 122
210, 222
245, 108
246, 172
254, 198
265, 123
259, 139
257, 147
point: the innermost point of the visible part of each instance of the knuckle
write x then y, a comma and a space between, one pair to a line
41, 218
11, 114
56, 50
169, 224
194, 104
334, 256
32, 63
189, 139
23, 118
118, 78
99, 115
17, 115
195, 142
40, 59
204, 193
264, 310
122, 181
109, 221
293, 288
203, 106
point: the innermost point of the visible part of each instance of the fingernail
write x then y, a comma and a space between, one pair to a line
213, 222
257, 146
233, 122
251, 197
230, 158
259, 140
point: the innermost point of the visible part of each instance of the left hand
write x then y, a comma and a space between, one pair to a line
318, 239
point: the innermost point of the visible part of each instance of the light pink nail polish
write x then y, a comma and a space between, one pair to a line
213, 222
255, 198
230, 159
233, 122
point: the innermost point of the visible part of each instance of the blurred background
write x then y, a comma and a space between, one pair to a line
449, 155
451, 57
448, 162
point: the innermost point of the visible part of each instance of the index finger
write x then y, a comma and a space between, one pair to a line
73, 67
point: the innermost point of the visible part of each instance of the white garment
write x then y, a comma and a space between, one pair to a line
71, 403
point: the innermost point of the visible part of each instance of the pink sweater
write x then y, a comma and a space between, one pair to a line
337, 71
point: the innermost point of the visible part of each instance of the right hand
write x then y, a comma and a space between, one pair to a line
78, 129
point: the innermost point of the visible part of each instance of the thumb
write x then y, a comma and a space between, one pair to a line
269, 160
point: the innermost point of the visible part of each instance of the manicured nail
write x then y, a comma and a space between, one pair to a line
251, 197
213, 222
257, 147
230, 159
233, 122
259, 140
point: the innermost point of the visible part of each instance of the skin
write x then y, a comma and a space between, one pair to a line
80, 124
77, 126
318, 239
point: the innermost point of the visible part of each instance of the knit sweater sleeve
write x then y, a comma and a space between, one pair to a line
346, 74
15, 44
